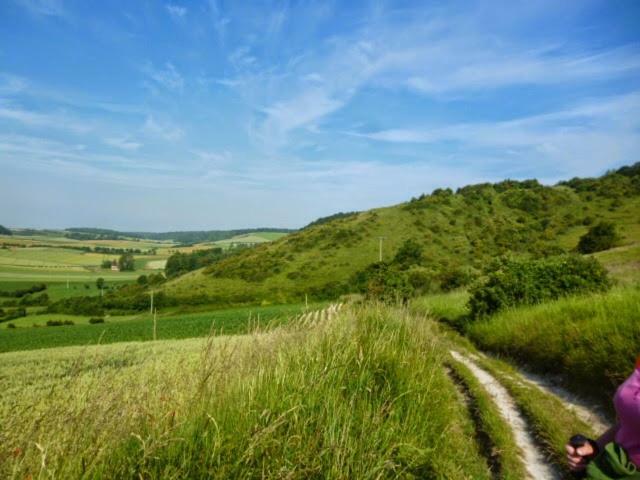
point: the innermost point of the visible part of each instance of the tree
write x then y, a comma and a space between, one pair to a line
5, 231
143, 280
601, 236
126, 263
100, 285
410, 253
106, 264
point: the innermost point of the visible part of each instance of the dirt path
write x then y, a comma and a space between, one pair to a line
588, 413
534, 461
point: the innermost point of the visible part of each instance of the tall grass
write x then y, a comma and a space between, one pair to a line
591, 341
359, 395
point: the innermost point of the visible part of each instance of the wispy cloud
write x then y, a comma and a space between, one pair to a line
52, 8
162, 129
37, 119
176, 11
123, 143
168, 77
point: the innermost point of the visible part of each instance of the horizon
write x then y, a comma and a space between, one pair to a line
261, 228
204, 115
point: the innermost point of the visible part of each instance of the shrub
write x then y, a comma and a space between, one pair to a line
59, 323
601, 236
11, 325
512, 282
384, 282
15, 313
454, 278
95, 320
410, 253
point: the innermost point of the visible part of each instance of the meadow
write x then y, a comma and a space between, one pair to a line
321, 400
30, 332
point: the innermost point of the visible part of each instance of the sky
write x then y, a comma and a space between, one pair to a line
205, 114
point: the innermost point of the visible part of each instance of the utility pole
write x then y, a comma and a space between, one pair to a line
380, 248
151, 307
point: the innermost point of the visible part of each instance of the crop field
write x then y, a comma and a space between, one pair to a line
141, 327
61, 241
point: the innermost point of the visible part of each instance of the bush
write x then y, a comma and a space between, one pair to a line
454, 278
95, 320
13, 314
512, 282
409, 253
59, 323
601, 236
11, 325
384, 282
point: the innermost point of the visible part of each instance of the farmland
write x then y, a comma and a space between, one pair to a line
31, 332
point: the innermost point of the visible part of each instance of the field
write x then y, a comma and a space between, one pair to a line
32, 334
323, 398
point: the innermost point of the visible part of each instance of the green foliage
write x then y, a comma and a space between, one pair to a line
39, 287
34, 300
13, 314
601, 236
126, 263
95, 320
410, 253
106, 264
142, 280
384, 282
455, 277
590, 341
330, 218
180, 263
512, 282
100, 283
5, 231
59, 323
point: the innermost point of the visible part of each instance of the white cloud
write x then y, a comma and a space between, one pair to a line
176, 11
37, 119
215, 157
163, 129
51, 8
167, 77
122, 143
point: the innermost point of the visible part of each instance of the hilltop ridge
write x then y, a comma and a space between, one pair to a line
459, 233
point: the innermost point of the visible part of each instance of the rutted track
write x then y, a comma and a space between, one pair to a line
534, 460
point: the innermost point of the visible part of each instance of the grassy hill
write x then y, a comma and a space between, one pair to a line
458, 231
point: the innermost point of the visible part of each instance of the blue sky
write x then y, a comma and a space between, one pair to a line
154, 115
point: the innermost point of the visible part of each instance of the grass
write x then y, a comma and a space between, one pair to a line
591, 341
362, 395
140, 328
450, 307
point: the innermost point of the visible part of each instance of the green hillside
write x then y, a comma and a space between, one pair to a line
459, 233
